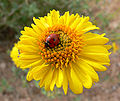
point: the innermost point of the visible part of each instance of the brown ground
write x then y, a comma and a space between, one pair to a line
108, 89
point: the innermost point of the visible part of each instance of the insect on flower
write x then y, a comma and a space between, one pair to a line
52, 40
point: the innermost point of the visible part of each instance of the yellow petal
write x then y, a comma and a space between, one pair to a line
40, 74
14, 54
83, 76
48, 78
95, 39
115, 47
42, 81
59, 78
76, 22
65, 81
94, 49
29, 76
24, 63
40, 24
48, 19
85, 25
107, 46
53, 81
88, 70
39, 66
28, 57
93, 27
66, 18
29, 32
36, 29
54, 16
72, 18
95, 65
99, 57
28, 41
39, 62
74, 83
28, 48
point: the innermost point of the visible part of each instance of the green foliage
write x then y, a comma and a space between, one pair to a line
119, 76
77, 98
36, 84
106, 77
52, 94
24, 81
16, 71
4, 86
104, 19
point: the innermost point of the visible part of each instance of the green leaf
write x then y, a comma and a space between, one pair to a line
1, 89
36, 84
43, 91
77, 98
10, 89
4, 82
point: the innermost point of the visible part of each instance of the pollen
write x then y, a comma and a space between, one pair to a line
69, 46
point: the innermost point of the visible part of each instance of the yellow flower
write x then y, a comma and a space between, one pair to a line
74, 57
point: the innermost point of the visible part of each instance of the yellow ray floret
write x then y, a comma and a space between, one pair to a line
15, 55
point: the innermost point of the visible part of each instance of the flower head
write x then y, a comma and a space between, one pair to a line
60, 50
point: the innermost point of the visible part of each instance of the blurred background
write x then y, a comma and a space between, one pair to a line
15, 14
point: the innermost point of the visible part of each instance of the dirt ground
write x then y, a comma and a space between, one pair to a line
108, 88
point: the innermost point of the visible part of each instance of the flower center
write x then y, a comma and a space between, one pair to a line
60, 45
